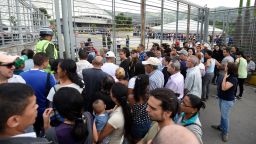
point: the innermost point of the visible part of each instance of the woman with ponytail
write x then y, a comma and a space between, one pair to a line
118, 126
189, 114
76, 127
67, 77
140, 118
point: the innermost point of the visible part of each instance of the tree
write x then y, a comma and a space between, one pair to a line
123, 22
246, 25
238, 26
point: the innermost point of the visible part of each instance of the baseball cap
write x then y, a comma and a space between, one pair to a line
184, 52
152, 61
4, 58
110, 54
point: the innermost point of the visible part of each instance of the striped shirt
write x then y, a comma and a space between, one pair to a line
156, 80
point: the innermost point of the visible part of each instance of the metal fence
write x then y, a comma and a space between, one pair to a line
119, 23
20, 21
238, 28
109, 23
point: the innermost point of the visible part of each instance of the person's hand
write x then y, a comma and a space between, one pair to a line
46, 117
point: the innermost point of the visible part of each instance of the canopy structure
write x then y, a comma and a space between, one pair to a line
182, 27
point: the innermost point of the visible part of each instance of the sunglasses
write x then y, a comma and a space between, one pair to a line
9, 65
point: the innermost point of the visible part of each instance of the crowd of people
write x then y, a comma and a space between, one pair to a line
152, 96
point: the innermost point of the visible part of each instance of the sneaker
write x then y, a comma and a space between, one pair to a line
217, 127
239, 97
224, 137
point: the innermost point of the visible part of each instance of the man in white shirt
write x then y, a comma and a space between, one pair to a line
109, 67
193, 81
176, 80
82, 63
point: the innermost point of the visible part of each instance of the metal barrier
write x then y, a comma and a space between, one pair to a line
109, 23
238, 28
20, 21
121, 23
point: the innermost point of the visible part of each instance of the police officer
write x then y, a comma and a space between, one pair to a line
45, 45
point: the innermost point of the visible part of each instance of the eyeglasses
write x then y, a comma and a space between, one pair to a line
9, 65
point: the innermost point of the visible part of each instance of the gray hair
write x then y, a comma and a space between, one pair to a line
194, 60
175, 64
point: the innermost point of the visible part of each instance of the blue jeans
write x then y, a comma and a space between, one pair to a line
225, 108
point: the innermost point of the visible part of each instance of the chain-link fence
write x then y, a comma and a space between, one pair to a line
238, 28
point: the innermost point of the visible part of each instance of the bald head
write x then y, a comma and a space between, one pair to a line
175, 134
97, 61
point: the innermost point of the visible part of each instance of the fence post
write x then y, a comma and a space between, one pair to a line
114, 26
65, 28
71, 30
162, 20
59, 32
1, 30
18, 20
206, 24
142, 11
213, 27
202, 22
188, 21
197, 30
9, 13
177, 20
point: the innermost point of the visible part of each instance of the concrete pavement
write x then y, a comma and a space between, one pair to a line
243, 118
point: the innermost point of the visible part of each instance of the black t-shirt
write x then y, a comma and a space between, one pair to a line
166, 75
125, 65
229, 95
92, 79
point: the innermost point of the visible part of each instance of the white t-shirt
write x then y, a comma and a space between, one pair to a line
16, 79
52, 91
82, 64
202, 69
116, 120
110, 69
131, 82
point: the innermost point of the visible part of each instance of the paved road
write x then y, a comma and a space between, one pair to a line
243, 118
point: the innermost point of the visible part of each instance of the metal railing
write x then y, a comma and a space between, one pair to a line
238, 28
109, 23
20, 21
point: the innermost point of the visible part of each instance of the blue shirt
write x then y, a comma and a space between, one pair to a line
101, 120
37, 80
156, 80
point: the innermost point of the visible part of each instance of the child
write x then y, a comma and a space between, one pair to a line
101, 116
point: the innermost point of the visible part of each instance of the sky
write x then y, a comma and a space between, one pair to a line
217, 3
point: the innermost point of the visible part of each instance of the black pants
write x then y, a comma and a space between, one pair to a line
216, 75
241, 86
